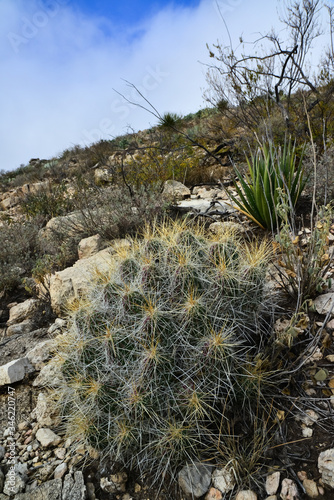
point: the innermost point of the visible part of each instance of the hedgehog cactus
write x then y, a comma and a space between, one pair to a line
153, 351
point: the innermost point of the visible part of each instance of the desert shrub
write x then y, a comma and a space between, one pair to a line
323, 176
303, 257
18, 250
165, 347
49, 202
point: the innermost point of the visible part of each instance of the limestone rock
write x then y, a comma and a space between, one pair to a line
326, 466
289, 490
9, 202
22, 328
15, 479
51, 490
194, 480
102, 175
22, 311
70, 283
74, 488
40, 353
47, 437
324, 303
44, 412
49, 376
272, 483
57, 326
246, 495
175, 189
90, 246
14, 371
223, 479
60, 470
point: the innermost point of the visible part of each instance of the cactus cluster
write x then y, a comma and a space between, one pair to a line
158, 347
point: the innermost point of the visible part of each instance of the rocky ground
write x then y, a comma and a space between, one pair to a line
38, 462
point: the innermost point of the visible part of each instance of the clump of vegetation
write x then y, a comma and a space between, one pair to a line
49, 202
166, 347
18, 244
271, 173
303, 256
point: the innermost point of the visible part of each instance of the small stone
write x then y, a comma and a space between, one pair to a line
302, 475
330, 324
22, 311
176, 189
60, 453
308, 418
311, 488
15, 371
14, 483
137, 488
60, 471
127, 496
22, 426
272, 497
223, 479
289, 490
330, 357
40, 353
307, 431
246, 495
22, 328
324, 303
114, 483
272, 483
213, 494
47, 437
326, 466
195, 479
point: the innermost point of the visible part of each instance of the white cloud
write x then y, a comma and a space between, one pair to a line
59, 68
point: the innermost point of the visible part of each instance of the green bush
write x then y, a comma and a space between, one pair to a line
270, 172
165, 346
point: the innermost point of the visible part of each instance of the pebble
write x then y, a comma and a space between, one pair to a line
60, 470
246, 495
272, 483
289, 490
311, 488
213, 494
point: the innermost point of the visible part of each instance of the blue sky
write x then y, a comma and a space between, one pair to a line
61, 59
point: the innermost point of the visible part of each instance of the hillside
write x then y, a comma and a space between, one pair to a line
160, 240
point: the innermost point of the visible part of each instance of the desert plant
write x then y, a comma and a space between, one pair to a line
271, 171
18, 244
49, 202
160, 347
303, 257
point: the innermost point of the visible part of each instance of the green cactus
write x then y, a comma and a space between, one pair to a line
154, 352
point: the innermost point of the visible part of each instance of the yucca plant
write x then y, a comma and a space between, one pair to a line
269, 171
160, 347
